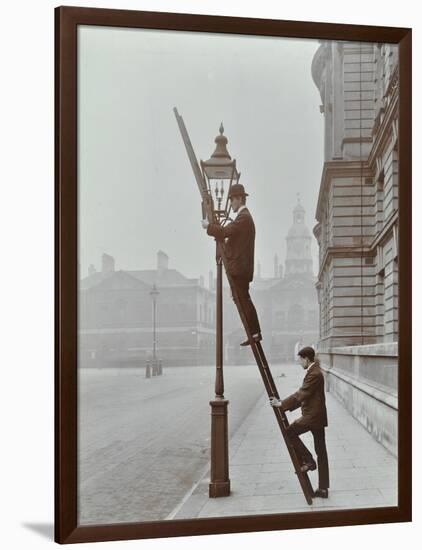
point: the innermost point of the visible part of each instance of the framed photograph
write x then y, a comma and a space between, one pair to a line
232, 274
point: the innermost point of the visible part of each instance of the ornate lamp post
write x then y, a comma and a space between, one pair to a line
219, 174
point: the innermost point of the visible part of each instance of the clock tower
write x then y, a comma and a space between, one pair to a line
298, 255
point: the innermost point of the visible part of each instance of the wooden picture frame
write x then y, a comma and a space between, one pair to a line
67, 20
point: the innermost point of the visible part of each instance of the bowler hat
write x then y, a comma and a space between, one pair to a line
236, 190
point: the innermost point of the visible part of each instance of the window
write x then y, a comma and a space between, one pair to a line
380, 261
395, 242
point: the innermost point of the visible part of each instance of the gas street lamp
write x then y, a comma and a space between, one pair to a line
219, 173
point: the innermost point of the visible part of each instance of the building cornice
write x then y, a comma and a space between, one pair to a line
385, 131
363, 251
343, 252
338, 168
386, 230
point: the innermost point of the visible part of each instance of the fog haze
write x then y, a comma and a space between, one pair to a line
137, 193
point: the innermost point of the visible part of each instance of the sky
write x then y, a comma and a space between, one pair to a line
136, 190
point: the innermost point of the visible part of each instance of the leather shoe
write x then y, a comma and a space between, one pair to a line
323, 493
308, 466
255, 338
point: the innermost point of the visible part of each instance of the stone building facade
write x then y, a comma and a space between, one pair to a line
115, 316
357, 229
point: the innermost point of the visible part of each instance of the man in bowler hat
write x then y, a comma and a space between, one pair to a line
311, 398
239, 246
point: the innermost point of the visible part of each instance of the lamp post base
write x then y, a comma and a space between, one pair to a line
219, 489
219, 483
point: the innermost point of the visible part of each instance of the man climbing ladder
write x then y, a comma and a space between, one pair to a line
311, 398
239, 248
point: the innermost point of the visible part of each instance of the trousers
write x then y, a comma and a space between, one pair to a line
242, 289
305, 456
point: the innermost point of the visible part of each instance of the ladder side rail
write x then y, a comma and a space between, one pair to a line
284, 423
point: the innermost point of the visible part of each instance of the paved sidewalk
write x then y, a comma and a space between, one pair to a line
362, 472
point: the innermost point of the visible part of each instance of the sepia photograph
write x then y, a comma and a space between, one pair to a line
237, 275
209, 215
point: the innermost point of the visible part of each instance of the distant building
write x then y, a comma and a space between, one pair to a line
357, 229
115, 325
286, 303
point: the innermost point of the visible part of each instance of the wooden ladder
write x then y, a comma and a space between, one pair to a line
257, 350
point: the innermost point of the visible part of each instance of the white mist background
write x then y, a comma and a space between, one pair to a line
137, 193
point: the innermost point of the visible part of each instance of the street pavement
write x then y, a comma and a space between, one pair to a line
143, 443
362, 473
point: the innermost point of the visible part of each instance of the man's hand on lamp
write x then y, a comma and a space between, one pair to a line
205, 223
274, 402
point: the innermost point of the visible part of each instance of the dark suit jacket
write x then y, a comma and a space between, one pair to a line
311, 398
240, 244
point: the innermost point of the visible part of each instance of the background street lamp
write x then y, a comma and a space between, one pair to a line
154, 366
219, 174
